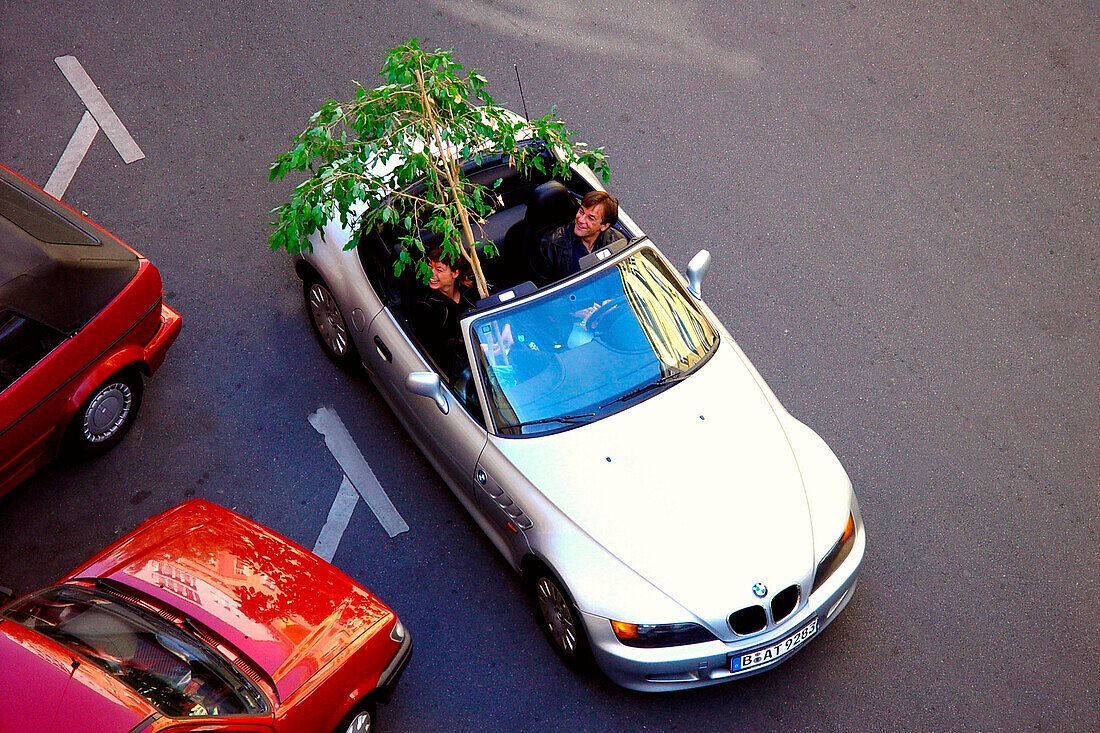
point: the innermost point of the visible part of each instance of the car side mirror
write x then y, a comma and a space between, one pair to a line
427, 384
5, 595
697, 271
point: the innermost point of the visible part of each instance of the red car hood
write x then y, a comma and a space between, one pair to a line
37, 674
286, 609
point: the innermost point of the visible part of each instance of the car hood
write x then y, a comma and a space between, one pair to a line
696, 489
286, 609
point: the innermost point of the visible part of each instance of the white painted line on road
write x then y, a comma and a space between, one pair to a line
338, 517
95, 102
74, 153
326, 422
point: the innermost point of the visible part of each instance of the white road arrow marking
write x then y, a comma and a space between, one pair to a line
95, 102
98, 116
356, 470
338, 517
74, 153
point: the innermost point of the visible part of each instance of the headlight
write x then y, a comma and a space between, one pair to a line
649, 636
837, 554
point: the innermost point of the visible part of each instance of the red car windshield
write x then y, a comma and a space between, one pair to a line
177, 672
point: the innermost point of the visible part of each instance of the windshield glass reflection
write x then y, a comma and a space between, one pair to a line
580, 353
174, 670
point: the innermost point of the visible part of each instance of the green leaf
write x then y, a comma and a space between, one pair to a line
376, 151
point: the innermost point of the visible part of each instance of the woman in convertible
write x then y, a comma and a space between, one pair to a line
436, 315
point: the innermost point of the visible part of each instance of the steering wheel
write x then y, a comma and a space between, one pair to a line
606, 315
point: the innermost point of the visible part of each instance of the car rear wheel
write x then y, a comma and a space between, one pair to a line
329, 325
107, 415
359, 720
559, 619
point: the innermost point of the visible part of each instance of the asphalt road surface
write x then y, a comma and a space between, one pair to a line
903, 203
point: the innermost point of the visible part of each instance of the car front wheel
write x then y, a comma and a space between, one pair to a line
560, 621
107, 414
360, 720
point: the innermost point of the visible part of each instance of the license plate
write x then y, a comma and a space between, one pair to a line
769, 654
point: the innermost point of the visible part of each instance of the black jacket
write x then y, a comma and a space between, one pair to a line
436, 322
555, 258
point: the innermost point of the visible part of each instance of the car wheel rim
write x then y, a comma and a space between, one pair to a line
361, 723
557, 615
330, 324
107, 412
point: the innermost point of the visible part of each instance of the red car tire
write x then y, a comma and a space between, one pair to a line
107, 415
360, 720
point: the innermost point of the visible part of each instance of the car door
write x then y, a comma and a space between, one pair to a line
31, 398
452, 441
496, 481
214, 727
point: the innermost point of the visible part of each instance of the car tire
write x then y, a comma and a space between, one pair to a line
329, 326
559, 618
107, 415
361, 719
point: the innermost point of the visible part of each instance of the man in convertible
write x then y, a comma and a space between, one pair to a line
561, 249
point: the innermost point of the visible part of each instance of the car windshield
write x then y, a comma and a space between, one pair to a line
177, 672
586, 350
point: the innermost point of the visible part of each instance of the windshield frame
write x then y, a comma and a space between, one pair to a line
604, 409
256, 701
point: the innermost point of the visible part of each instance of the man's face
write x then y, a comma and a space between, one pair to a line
588, 224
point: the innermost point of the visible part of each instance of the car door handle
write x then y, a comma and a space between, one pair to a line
382, 350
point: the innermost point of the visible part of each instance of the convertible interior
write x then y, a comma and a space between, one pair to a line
532, 205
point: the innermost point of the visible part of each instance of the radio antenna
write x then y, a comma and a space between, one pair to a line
521, 97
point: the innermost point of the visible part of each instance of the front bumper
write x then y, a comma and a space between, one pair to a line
157, 348
391, 675
696, 665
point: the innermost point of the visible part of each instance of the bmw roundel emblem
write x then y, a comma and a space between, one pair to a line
760, 590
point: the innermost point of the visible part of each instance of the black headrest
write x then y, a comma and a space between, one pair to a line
551, 204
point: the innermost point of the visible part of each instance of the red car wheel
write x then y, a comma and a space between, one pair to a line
360, 720
107, 414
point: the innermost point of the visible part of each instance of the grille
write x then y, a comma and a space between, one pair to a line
751, 619
784, 602
748, 620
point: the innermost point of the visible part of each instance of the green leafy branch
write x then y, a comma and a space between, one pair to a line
394, 156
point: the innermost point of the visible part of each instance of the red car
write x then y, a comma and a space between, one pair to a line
81, 323
199, 620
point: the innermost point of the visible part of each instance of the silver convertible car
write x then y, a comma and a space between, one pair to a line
671, 521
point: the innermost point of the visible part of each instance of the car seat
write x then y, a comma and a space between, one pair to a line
552, 205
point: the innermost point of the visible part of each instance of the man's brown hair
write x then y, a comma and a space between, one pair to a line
606, 201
